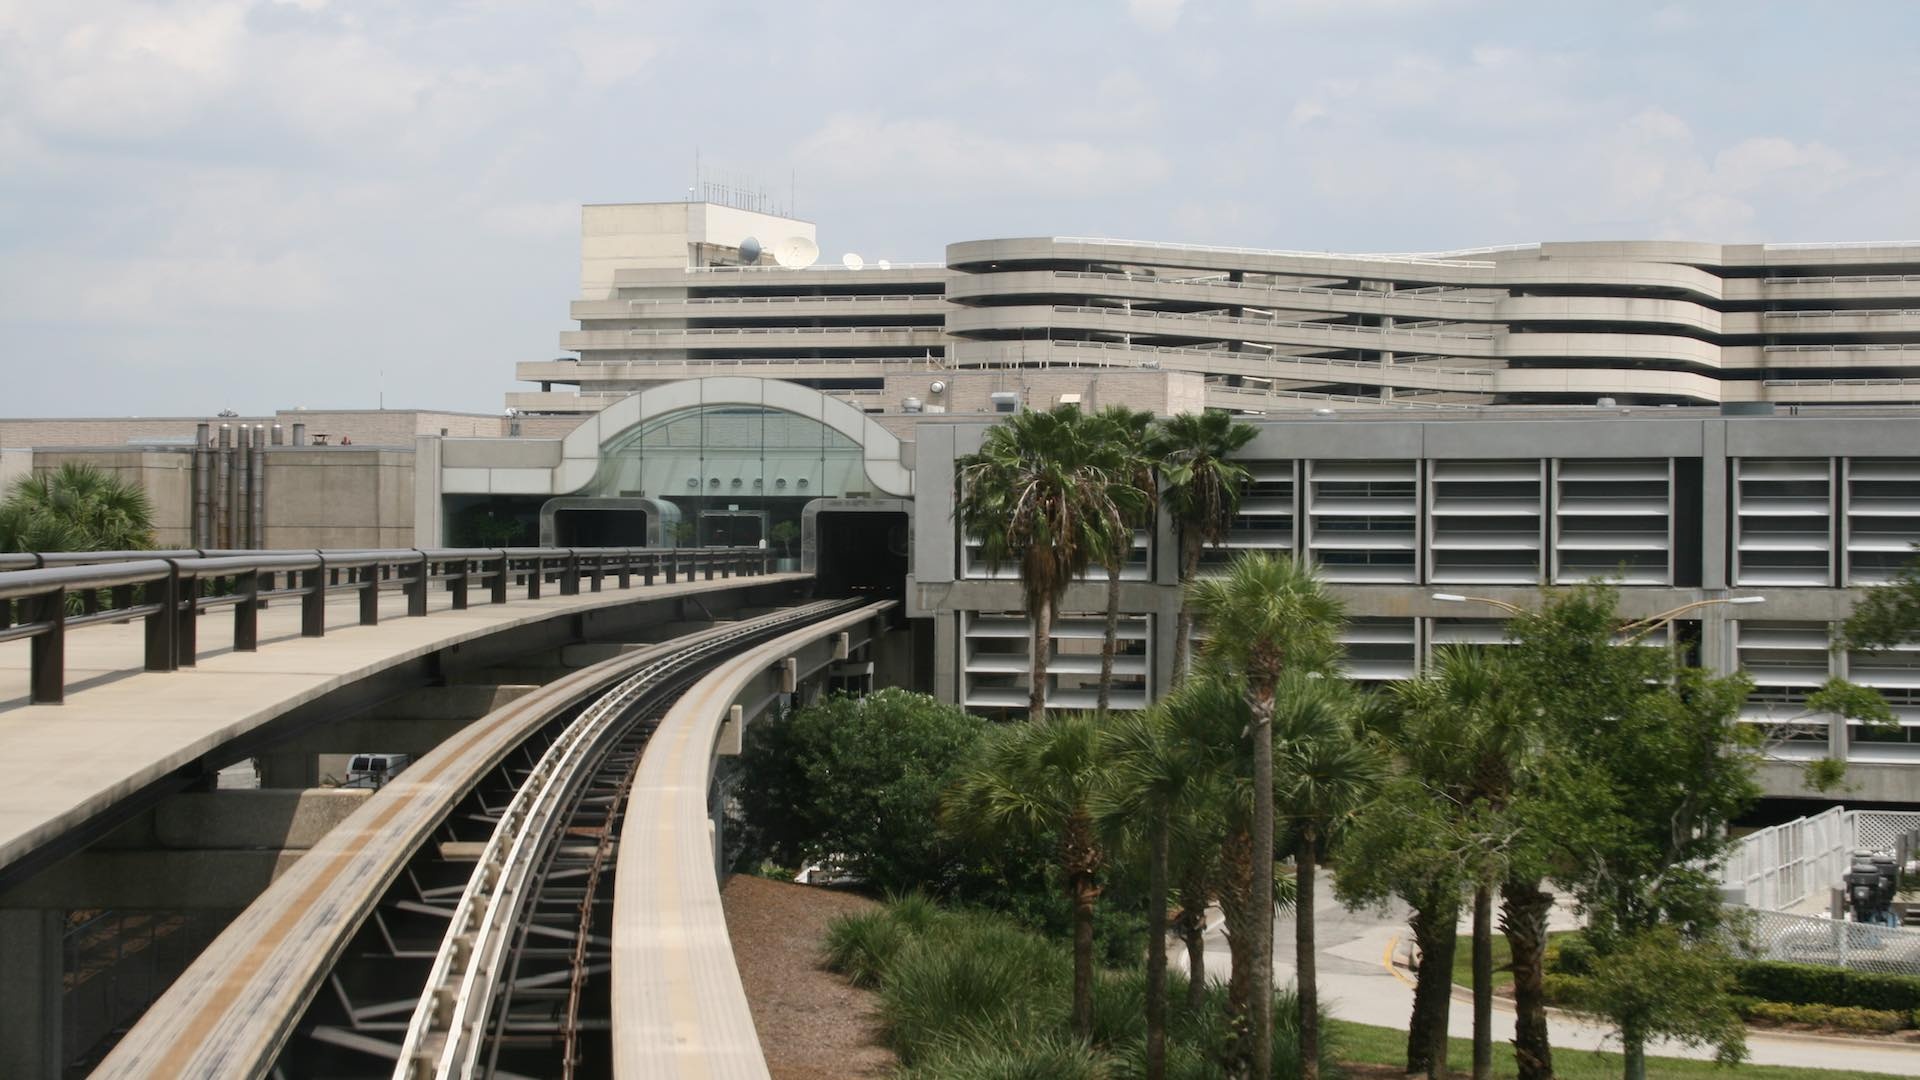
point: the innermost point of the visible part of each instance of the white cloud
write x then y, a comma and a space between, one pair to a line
611, 59
533, 219
938, 155
1156, 15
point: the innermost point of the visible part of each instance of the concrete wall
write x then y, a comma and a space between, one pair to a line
339, 497
165, 475
376, 427
109, 430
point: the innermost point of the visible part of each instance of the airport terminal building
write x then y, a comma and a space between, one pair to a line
1692, 421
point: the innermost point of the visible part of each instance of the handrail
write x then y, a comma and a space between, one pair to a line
1156, 245
727, 331
1210, 282
43, 595
854, 298
1290, 324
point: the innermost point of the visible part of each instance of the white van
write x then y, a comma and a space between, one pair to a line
374, 770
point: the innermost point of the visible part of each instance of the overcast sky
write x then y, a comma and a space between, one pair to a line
257, 204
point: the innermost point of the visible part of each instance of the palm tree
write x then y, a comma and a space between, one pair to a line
1039, 494
1040, 780
1459, 738
1326, 772
1267, 616
1166, 779
75, 508
1201, 492
1130, 469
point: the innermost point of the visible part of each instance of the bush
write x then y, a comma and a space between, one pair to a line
860, 946
1809, 984
946, 990
1047, 1057
857, 782
1570, 955
1564, 991
1839, 1016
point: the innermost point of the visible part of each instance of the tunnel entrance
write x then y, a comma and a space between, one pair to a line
862, 552
600, 528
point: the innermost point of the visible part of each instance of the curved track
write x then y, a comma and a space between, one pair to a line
238, 1009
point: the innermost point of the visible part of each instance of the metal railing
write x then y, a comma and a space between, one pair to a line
1786, 865
1423, 296
43, 596
1212, 249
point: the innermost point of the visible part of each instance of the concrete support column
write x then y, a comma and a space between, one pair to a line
946, 656
31, 959
1715, 505
287, 770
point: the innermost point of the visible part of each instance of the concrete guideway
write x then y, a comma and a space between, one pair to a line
1359, 982
122, 731
682, 1013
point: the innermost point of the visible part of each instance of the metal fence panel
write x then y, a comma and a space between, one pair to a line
1806, 939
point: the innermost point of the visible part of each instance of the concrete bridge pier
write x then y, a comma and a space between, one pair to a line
30, 993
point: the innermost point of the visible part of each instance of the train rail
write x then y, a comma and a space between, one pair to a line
274, 996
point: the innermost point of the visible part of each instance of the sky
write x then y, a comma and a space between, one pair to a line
261, 204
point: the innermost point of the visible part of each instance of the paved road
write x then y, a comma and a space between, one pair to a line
1358, 983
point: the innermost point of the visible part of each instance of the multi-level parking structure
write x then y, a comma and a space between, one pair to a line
1557, 323
1641, 323
823, 326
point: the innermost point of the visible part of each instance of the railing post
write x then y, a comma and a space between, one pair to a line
186, 622
369, 581
246, 617
673, 566
122, 597
313, 602
570, 574
417, 586
596, 570
457, 582
726, 563
498, 586
626, 568
709, 561
49, 653
161, 622
648, 568
536, 577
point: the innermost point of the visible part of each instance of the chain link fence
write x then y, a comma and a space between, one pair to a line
1807, 939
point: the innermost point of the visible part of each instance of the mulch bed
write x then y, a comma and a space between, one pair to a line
812, 1024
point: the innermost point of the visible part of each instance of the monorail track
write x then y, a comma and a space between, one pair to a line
458, 924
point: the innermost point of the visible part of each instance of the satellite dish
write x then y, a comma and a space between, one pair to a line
795, 252
885, 265
749, 250
852, 261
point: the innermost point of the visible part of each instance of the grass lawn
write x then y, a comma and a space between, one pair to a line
1502, 956
1369, 1045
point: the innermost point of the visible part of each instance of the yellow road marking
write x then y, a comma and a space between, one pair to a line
1386, 961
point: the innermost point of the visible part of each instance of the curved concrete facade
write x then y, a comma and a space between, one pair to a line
1642, 322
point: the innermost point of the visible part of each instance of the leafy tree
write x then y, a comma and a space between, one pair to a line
1889, 614
1266, 618
1123, 432
1656, 765
1040, 780
1661, 983
856, 783
1040, 494
1201, 492
785, 534
75, 507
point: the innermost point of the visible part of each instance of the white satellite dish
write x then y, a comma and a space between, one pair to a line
795, 252
852, 261
885, 265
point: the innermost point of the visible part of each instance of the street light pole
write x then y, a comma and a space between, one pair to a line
1635, 629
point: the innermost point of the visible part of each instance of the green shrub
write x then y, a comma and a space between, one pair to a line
1809, 984
1839, 1016
948, 989
1045, 1057
860, 946
1570, 955
1563, 990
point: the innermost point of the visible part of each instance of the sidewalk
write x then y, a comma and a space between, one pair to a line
1359, 983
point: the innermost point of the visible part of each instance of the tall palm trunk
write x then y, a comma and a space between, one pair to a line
1041, 645
1433, 923
1483, 981
1081, 858
1523, 918
1308, 990
1109, 644
1260, 897
1157, 945
1183, 623
1192, 923
1242, 921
